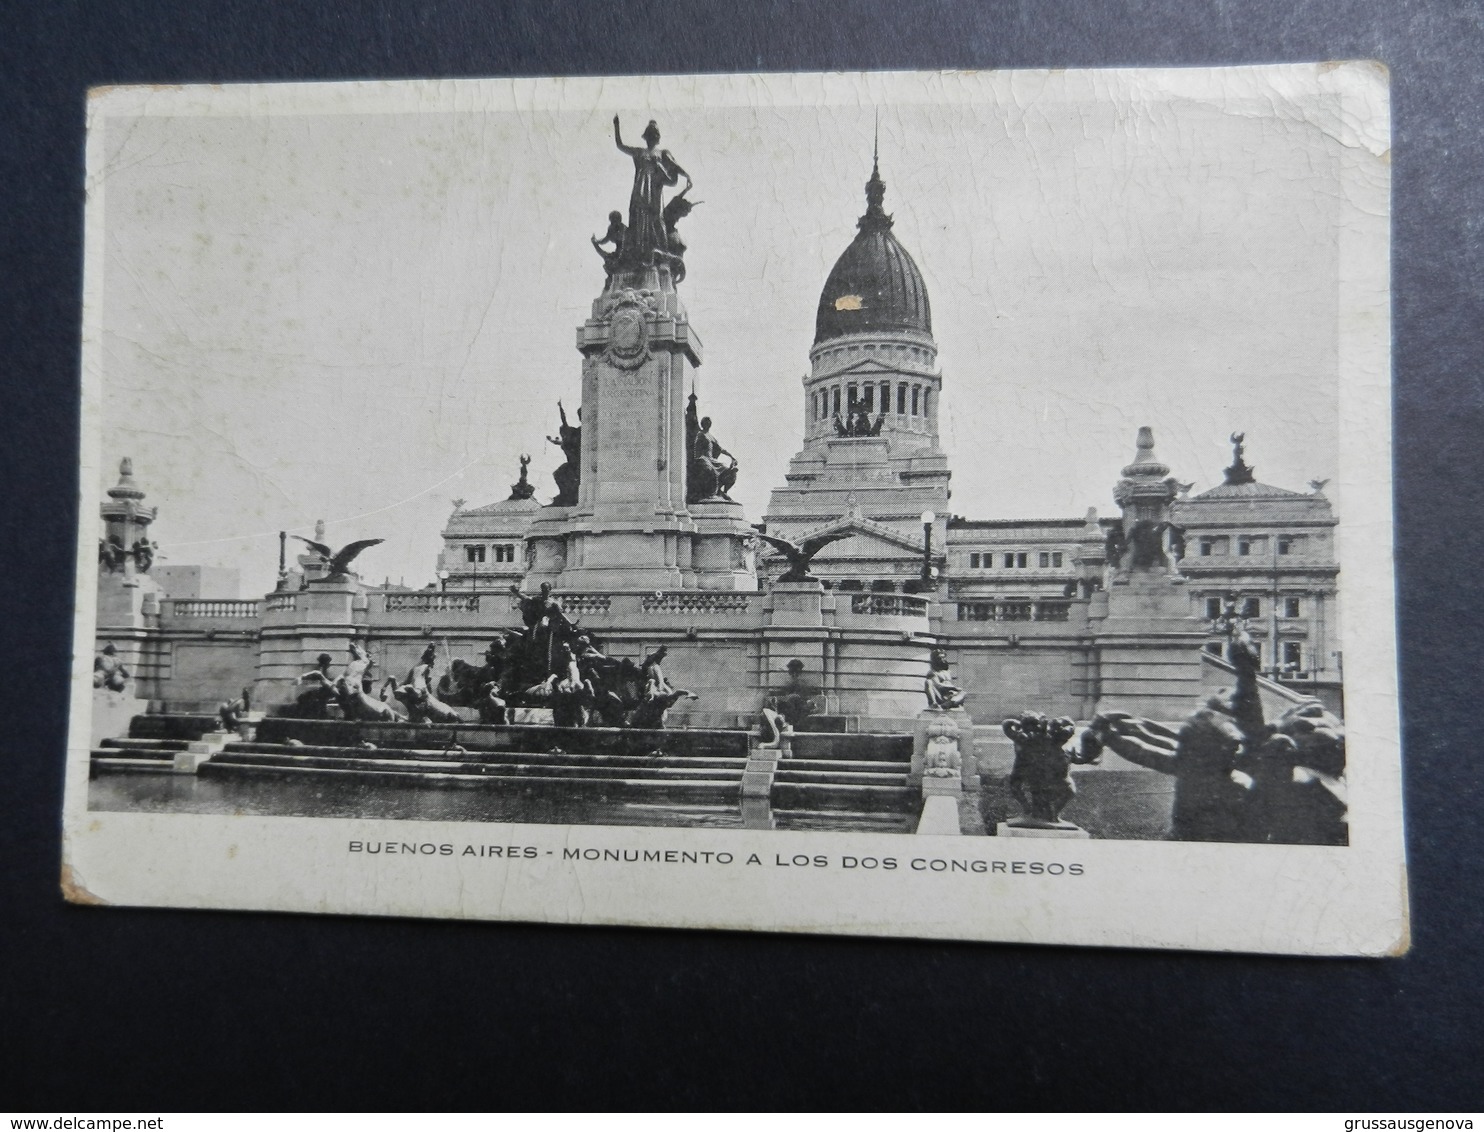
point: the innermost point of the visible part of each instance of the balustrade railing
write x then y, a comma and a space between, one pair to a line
1014, 610
432, 603
888, 605
281, 603
584, 603
700, 602
200, 607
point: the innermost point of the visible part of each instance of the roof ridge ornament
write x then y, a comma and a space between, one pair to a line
1240, 471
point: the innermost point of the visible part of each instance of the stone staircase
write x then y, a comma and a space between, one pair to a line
835, 780
829, 780
683, 767
156, 744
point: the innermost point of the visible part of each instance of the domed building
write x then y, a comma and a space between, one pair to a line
870, 459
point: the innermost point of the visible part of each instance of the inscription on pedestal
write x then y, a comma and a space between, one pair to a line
625, 453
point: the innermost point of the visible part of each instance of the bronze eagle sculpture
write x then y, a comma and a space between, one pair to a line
800, 554
338, 561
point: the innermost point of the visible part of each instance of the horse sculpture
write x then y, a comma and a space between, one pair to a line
554, 664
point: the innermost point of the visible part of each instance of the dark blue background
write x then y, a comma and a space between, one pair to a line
123, 1009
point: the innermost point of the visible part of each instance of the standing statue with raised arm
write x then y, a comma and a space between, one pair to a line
654, 170
569, 475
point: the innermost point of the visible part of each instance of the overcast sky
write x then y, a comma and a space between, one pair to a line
358, 303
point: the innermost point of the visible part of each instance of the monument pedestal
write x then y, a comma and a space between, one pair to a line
796, 604
1149, 648
940, 735
297, 626
630, 527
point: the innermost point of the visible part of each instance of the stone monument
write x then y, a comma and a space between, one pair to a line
1149, 661
626, 520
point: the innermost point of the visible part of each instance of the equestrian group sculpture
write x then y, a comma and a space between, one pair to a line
649, 239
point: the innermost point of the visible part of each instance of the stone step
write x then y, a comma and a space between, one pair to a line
503, 737
852, 746
434, 754
164, 749
839, 778
845, 796
690, 791
187, 727
855, 821
102, 760
862, 766
368, 761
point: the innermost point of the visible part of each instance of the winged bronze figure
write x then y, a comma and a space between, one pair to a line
800, 554
338, 561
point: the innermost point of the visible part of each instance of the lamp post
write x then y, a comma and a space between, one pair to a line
928, 519
443, 581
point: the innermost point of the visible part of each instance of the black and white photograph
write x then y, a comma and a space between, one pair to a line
945, 504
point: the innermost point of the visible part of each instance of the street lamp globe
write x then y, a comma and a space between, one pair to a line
928, 518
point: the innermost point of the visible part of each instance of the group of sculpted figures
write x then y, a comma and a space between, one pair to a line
551, 663
1237, 776
857, 421
112, 554
1144, 545
711, 471
649, 238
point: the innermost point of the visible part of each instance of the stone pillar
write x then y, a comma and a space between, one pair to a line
1147, 643
296, 628
940, 732
630, 528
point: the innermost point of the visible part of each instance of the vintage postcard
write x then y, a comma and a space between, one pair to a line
952, 505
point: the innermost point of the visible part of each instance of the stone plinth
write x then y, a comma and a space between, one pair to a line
939, 816
1064, 830
949, 732
1149, 648
631, 528
298, 626
796, 604
112, 712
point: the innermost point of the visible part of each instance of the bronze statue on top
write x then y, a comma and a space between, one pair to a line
649, 237
942, 693
801, 554
654, 170
523, 488
1239, 471
109, 671
337, 562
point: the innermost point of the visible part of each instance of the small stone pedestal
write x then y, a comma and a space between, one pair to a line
796, 604
940, 811
757, 783
951, 734
1064, 829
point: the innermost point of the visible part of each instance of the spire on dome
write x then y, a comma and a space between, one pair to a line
875, 217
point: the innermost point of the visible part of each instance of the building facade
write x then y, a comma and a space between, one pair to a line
1068, 615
